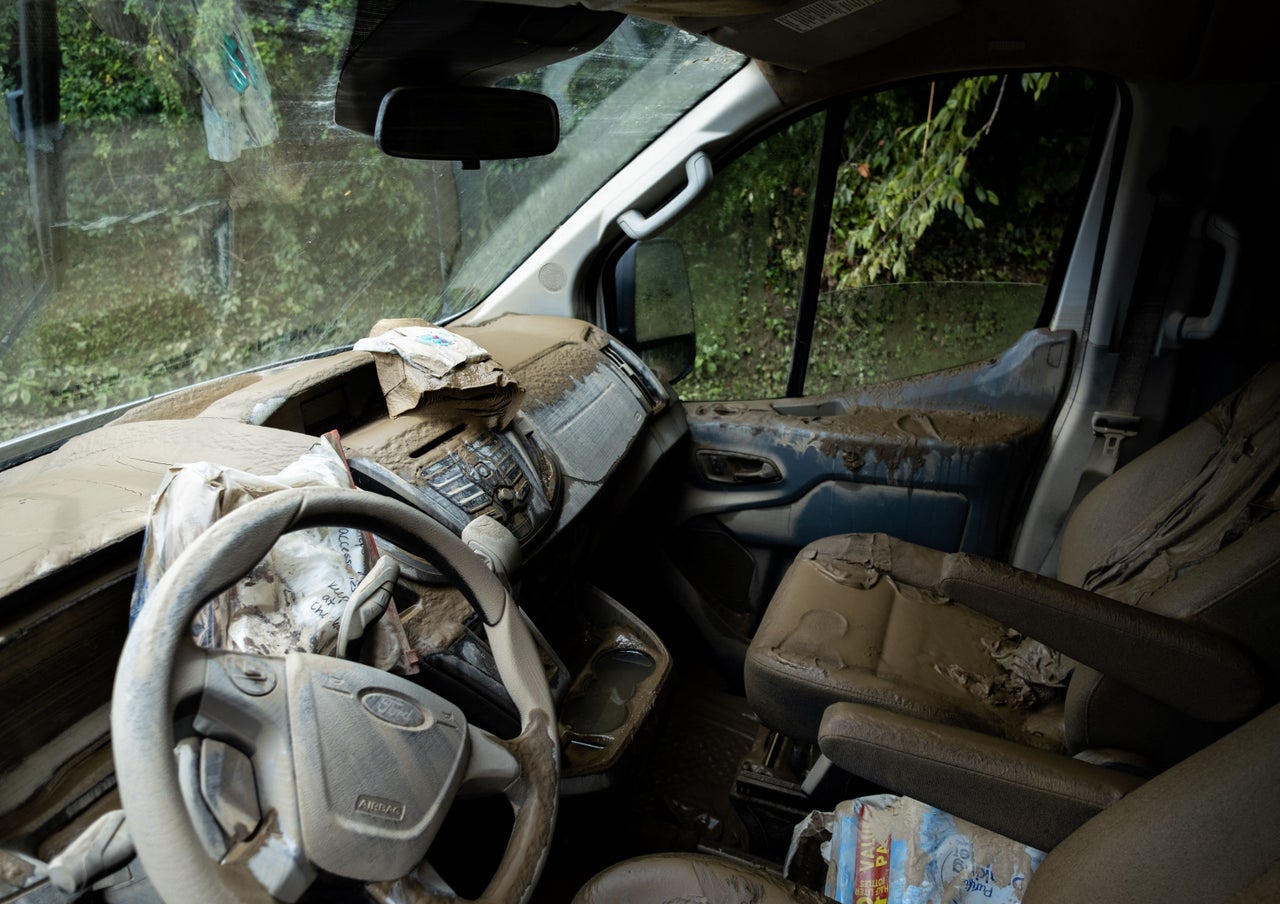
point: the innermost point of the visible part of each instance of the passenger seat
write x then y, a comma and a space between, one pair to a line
1208, 829
970, 676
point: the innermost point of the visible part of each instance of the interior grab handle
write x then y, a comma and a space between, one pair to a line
638, 226
1179, 326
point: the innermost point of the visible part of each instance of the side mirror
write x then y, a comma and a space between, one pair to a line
654, 306
467, 124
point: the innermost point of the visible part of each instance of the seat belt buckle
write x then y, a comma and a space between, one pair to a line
1114, 428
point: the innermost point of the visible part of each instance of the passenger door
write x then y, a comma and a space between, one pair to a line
870, 287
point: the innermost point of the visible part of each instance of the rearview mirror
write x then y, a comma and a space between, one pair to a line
467, 124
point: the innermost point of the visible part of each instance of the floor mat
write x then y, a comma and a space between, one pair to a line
686, 782
676, 797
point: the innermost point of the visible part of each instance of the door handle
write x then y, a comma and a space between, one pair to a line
735, 467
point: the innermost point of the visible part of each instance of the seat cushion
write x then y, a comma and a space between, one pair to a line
845, 626
671, 878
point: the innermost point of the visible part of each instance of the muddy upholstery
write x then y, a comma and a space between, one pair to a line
1207, 829
1151, 845
1162, 635
690, 878
849, 622
990, 781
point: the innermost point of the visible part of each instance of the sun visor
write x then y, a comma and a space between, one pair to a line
811, 33
423, 43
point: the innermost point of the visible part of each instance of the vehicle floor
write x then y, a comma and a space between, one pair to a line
672, 796
671, 791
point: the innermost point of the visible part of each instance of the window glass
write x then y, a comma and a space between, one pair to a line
951, 201
744, 245
179, 204
951, 198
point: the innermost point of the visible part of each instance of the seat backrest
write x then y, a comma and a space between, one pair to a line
1200, 500
1207, 829
1118, 504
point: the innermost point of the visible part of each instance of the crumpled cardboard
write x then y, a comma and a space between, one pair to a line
420, 364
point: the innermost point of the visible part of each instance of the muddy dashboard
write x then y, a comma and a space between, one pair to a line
591, 427
587, 401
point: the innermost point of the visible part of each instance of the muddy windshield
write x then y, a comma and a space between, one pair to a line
178, 203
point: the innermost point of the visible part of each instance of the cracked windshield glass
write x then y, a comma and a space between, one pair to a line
178, 204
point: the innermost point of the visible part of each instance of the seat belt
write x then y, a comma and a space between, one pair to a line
1118, 420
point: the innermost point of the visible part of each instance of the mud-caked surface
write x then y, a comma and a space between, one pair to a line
556, 371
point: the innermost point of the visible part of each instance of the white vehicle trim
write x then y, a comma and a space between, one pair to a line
550, 279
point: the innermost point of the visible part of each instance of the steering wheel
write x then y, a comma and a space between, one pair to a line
355, 768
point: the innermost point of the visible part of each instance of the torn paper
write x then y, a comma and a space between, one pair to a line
810, 843
294, 598
429, 365
1030, 661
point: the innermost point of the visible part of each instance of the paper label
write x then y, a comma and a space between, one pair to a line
871, 879
823, 12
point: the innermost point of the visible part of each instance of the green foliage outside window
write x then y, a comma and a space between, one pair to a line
178, 267
943, 188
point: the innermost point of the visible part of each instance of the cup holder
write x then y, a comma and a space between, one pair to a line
619, 669
601, 707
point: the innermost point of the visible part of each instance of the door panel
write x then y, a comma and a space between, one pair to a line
854, 260
939, 460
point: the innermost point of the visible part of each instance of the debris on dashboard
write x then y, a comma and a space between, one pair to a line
896, 849
295, 598
420, 364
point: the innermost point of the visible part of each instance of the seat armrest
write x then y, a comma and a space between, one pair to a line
1180, 664
1033, 796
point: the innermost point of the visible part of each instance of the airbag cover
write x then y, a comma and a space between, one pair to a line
376, 758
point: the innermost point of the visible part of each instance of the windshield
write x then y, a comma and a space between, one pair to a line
179, 205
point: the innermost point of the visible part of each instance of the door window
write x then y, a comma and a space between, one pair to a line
949, 203
744, 246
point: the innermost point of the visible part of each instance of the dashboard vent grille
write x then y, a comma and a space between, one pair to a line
650, 390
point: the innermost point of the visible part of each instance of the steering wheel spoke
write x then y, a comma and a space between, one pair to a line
423, 885
242, 698
236, 774
492, 767
189, 668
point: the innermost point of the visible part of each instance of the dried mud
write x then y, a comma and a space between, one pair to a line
549, 376
870, 436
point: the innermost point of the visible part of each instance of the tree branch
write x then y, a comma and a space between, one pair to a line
986, 127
